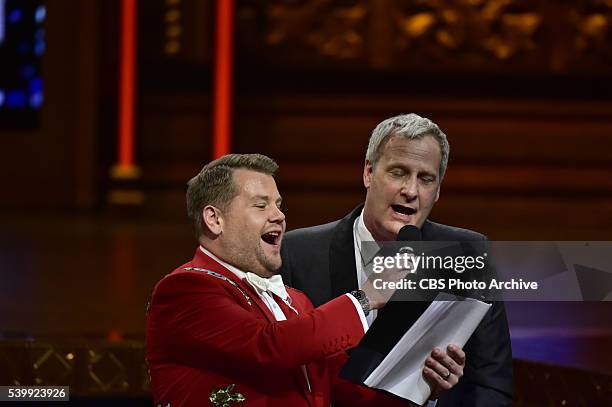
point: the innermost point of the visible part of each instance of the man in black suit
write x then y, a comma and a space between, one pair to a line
405, 163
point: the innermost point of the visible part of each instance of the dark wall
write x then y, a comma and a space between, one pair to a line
522, 168
54, 166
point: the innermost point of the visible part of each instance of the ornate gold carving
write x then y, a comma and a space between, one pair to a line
594, 29
464, 35
515, 35
472, 25
334, 31
338, 37
331, 30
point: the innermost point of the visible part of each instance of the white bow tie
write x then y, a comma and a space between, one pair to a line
273, 284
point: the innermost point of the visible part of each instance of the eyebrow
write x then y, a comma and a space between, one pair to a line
427, 172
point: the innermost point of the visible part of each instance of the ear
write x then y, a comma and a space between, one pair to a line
212, 220
367, 174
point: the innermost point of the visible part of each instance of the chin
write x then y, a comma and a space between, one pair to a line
388, 234
396, 226
273, 266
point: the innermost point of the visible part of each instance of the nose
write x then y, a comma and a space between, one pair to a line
277, 215
410, 188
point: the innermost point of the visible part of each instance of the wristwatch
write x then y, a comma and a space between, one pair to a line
362, 298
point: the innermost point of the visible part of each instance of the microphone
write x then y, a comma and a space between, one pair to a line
409, 233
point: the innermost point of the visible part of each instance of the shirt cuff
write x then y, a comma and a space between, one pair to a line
362, 316
431, 403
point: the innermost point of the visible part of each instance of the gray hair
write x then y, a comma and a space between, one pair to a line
214, 183
411, 126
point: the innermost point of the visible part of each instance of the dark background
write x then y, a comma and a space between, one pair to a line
521, 88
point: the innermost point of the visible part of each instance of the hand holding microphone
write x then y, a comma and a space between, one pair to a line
378, 287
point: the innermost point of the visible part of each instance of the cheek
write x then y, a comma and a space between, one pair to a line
380, 185
251, 224
430, 198
387, 191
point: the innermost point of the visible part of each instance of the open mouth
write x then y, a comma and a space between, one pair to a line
403, 210
272, 238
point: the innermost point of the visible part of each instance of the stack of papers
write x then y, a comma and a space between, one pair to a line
448, 319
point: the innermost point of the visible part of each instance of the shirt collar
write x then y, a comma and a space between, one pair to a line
362, 234
280, 291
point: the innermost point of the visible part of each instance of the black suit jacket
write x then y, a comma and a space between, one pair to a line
320, 261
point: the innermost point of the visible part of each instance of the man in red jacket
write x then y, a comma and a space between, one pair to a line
223, 328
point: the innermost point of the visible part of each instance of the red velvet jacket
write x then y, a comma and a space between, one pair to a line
205, 333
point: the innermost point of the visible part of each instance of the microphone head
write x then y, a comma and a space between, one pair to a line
409, 233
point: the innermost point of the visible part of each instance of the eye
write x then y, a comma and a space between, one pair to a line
427, 179
397, 172
260, 205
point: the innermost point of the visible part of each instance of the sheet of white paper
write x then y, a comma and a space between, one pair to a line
449, 319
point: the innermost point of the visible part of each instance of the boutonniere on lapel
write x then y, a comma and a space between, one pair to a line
225, 397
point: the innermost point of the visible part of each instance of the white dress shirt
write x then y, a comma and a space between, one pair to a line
363, 258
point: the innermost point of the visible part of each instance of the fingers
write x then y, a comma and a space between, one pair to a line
446, 364
441, 374
456, 353
380, 287
436, 383
444, 369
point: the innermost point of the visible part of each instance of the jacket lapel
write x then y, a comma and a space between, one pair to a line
201, 260
342, 266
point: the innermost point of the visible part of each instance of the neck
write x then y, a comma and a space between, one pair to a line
218, 255
264, 274
369, 224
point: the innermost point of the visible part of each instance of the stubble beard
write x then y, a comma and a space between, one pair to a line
252, 259
269, 265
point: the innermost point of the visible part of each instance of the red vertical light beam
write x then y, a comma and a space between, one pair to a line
222, 101
127, 83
